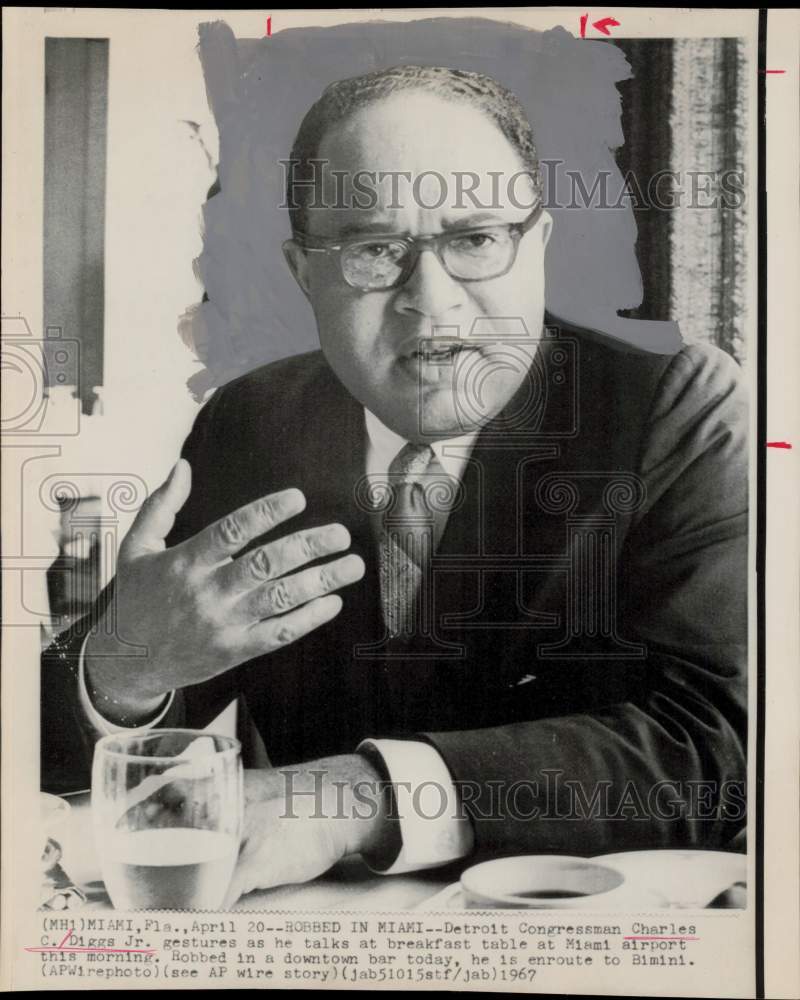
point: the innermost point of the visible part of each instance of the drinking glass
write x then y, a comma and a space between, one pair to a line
167, 813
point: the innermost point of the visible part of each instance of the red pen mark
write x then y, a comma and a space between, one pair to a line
657, 937
773, 70
269, 26
116, 951
68, 935
604, 24
779, 444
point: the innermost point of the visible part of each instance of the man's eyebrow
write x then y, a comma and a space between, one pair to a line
383, 227
474, 220
358, 228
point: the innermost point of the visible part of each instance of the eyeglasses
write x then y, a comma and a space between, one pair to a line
385, 262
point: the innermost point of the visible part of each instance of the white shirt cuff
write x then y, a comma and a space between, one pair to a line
433, 830
101, 724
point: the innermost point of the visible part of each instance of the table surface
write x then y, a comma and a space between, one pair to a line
349, 886
654, 879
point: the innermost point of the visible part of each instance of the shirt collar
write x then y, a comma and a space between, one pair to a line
384, 445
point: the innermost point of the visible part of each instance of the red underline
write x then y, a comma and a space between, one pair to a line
778, 444
118, 951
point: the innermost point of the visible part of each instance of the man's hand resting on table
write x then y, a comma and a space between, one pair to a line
200, 608
301, 819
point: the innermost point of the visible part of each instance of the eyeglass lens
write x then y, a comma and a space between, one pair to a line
473, 256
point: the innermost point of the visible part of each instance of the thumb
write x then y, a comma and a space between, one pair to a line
232, 895
240, 885
155, 520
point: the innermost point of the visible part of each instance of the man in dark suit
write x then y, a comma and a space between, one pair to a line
543, 610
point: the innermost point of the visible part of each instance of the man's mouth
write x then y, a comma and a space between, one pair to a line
442, 354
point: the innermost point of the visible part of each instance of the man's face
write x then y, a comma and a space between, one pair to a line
374, 339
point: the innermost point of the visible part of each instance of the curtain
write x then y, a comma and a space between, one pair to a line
708, 245
685, 116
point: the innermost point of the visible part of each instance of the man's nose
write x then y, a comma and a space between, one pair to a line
429, 290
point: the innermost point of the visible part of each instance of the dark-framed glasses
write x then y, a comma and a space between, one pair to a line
384, 262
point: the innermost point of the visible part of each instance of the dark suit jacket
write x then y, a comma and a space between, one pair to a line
589, 600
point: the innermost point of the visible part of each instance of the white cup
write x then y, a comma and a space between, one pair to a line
540, 882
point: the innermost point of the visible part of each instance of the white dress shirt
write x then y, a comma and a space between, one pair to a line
432, 833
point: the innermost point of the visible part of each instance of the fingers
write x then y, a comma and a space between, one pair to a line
224, 538
276, 559
279, 596
274, 633
155, 520
167, 801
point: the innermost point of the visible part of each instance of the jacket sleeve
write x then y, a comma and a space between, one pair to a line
67, 737
665, 767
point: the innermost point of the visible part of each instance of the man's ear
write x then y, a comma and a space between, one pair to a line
547, 228
297, 259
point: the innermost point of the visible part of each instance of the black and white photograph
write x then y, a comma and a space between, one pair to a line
381, 450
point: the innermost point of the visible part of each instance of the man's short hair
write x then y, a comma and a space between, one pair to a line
344, 97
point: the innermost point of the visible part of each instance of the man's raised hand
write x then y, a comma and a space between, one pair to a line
200, 607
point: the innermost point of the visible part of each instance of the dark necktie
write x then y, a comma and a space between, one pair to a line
408, 537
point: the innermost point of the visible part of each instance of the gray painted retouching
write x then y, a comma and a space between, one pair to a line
259, 91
